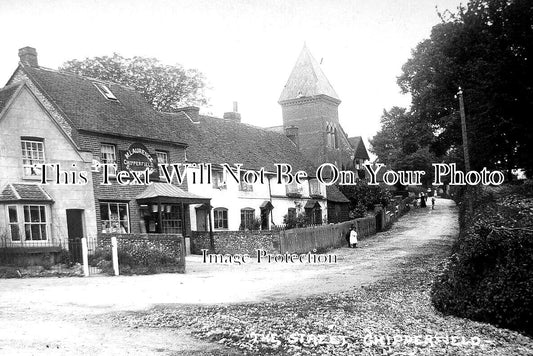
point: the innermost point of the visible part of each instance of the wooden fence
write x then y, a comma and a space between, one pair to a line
322, 237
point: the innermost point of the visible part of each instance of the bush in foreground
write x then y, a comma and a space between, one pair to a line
135, 259
489, 277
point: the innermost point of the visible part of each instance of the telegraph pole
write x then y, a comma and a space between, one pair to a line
463, 129
465, 148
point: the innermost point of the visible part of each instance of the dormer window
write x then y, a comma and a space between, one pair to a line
104, 90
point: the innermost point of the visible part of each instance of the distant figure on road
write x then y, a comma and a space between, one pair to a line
432, 203
353, 237
415, 202
423, 200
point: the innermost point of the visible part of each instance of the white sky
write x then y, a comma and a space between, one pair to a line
246, 49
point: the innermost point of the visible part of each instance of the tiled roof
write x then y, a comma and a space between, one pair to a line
359, 147
87, 109
307, 79
8, 194
5, 95
220, 141
334, 194
275, 128
24, 192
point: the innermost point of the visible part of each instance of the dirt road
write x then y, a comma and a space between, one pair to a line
56, 315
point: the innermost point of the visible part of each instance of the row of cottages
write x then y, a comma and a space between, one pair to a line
238, 205
74, 123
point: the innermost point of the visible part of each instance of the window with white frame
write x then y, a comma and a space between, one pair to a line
114, 217
314, 188
108, 155
105, 91
14, 227
220, 218
218, 180
293, 188
162, 159
28, 222
247, 218
32, 155
35, 222
245, 187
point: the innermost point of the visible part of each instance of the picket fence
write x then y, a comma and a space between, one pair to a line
323, 237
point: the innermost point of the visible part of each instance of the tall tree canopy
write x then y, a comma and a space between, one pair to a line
165, 87
403, 142
487, 49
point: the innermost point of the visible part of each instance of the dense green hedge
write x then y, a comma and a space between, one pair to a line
489, 276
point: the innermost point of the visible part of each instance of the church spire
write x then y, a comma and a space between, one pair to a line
307, 80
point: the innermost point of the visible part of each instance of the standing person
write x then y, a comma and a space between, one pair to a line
353, 237
433, 203
423, 200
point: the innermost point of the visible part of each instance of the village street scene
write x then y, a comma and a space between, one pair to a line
277, 178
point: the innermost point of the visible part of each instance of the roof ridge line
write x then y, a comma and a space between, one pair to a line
71, 74
14, 191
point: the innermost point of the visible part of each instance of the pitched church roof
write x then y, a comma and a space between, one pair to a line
307, 79
359, 147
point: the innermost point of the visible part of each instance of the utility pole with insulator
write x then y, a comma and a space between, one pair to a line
463, 129
465, 149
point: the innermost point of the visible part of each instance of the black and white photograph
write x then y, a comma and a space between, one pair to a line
277, 177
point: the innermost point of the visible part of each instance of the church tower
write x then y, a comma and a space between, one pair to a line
310, 108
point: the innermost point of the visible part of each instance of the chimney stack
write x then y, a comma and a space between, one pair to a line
292, 133
233, 115
28, 56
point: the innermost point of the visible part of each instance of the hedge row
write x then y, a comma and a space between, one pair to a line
140, 258
489, 276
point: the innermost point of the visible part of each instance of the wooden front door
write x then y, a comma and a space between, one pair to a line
75, 233
201, 219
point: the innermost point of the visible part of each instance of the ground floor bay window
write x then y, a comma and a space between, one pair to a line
163, 208
28, 223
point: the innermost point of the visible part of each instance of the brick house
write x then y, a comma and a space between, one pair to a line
103, 123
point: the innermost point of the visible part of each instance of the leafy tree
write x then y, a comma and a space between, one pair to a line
294, 221
165, 87
403, 142
366, 195
487, 49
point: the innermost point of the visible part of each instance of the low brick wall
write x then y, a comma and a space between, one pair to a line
236, 241
169, 244
199, 241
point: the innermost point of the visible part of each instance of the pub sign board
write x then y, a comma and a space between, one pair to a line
137, 158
